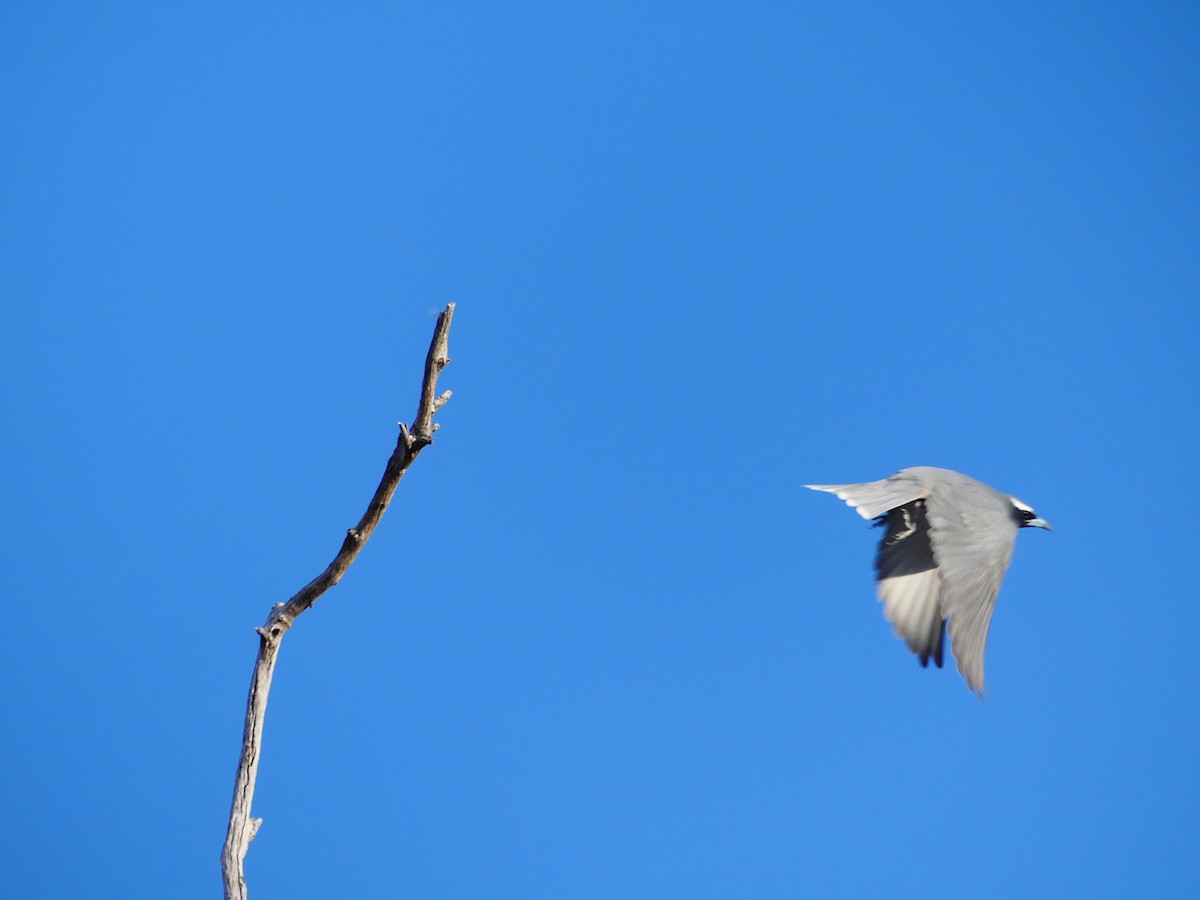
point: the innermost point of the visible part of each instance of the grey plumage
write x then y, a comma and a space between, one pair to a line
940, 563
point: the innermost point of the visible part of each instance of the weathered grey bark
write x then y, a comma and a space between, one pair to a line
242, 827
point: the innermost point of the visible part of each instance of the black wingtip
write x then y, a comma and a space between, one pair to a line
936, 653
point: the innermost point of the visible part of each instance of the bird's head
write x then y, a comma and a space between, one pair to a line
1026, 517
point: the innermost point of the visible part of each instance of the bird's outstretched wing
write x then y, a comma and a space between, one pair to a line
972, 537
874, 498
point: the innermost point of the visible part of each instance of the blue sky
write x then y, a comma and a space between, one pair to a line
604, 644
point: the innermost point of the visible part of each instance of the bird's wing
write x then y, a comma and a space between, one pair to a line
972, 539
909, 582
874, 498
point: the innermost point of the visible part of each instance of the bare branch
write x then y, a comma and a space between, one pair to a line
242, 827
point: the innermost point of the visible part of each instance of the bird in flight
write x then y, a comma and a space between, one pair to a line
938, 569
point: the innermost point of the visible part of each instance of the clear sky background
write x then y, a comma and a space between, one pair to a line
604, 644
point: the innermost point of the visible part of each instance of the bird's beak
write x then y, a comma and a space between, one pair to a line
1038, 523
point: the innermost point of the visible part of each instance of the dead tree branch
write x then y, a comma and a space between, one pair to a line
242, 827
